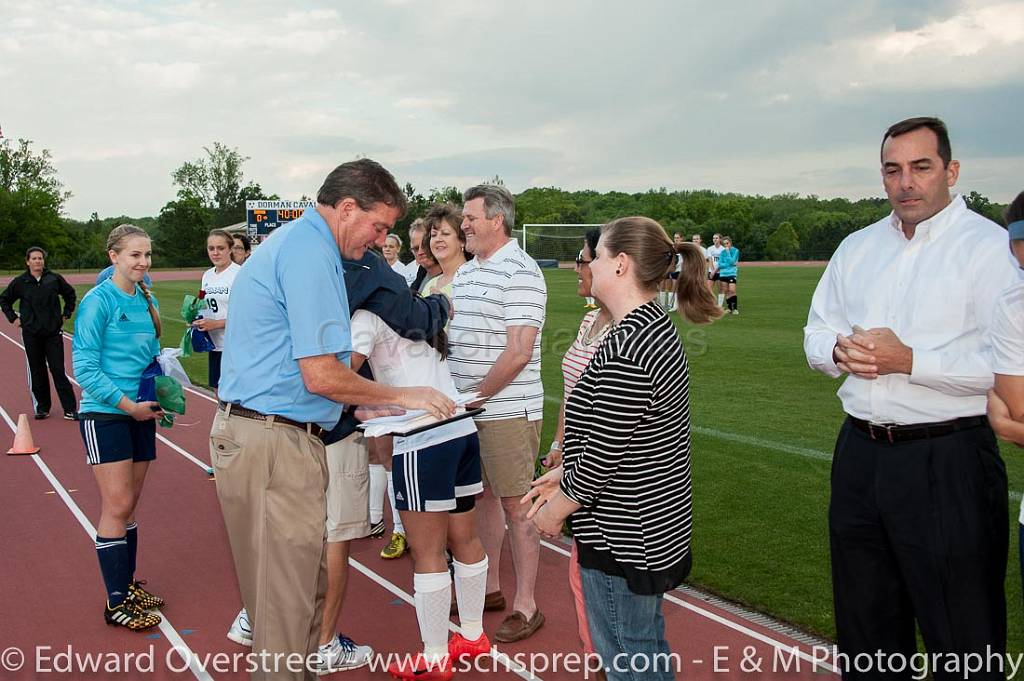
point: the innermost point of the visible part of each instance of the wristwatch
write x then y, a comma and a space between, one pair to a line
555, 444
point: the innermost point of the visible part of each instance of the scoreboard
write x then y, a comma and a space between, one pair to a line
263, 217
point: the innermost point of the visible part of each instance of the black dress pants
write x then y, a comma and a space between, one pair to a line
919, 530
41, 350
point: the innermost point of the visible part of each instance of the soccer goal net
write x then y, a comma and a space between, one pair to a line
561, 242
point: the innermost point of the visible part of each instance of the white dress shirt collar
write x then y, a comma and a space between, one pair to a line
936, 224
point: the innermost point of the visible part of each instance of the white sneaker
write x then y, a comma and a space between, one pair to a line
735, 311
341, 654
241, 630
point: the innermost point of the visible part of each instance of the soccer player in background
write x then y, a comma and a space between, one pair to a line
714, 251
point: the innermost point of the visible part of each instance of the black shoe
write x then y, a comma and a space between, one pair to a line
376, 530
129, 615
71, 415
40, 415
142, 598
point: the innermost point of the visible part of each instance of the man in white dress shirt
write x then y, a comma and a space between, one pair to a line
918, 519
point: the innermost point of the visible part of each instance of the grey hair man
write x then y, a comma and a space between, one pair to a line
286, 379
499, 298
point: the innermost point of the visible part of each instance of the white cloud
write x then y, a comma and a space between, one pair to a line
177, 76
962, 35
978, 46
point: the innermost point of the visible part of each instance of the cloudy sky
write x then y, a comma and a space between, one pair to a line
781, 96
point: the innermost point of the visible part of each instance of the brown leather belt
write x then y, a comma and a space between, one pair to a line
238, 410
892, 433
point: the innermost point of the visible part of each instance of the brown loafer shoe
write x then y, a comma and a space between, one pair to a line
516, 627
493, 602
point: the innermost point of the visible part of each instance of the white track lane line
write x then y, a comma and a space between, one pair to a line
165, 626
197, 462
507, 662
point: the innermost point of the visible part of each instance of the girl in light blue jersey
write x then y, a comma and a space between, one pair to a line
116, 334
728, 268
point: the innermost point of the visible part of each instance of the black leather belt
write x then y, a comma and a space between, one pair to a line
892, 433
238, 410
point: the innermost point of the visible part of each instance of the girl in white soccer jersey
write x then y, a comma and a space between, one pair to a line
436, 476
216, 287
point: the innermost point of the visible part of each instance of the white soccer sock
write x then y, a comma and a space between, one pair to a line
378, 487
470, 591
432, 592
397, 519
721, 299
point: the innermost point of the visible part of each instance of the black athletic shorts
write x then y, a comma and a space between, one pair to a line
112, 437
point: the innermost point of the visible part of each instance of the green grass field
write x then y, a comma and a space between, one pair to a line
764, 429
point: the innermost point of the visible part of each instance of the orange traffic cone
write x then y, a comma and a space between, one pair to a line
23, 439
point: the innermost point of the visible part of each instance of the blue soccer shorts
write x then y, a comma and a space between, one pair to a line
434, 478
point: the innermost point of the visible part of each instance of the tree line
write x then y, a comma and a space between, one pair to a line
211, 192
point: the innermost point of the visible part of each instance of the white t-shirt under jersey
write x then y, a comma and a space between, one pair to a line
407, 271
1007, 336
401, 363
218, 288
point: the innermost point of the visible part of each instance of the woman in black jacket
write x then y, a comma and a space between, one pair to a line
41, 319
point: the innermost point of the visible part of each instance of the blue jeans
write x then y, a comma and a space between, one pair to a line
628, 629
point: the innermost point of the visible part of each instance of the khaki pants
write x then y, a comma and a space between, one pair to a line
508, 454
348, 492
271, 483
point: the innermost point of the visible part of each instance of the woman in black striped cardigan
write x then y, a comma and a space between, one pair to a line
624, 483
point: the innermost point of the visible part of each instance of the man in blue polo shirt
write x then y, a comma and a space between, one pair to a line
285, 380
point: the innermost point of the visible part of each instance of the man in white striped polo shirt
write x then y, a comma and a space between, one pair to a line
499, 298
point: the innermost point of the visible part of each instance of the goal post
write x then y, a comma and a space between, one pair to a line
553, 241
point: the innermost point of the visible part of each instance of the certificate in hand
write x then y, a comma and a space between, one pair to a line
411, 424
417, 421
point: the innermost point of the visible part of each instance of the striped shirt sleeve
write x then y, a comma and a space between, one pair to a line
525, 299
621, 395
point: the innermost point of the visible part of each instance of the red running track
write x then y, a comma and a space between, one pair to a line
51, 592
